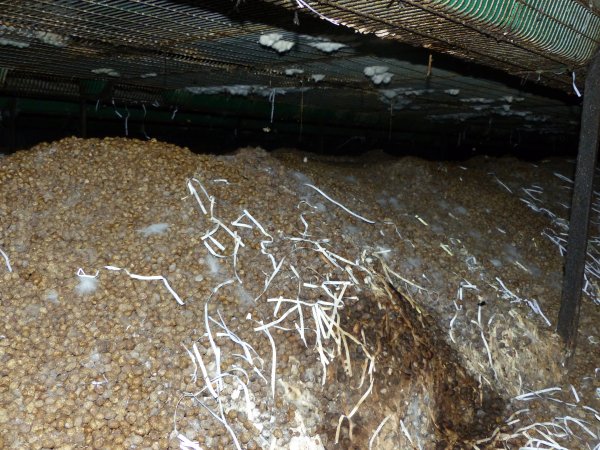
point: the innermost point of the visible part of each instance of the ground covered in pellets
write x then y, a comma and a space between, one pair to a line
153, 298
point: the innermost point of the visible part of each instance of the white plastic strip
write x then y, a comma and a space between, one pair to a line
304, 4
377, 430
531, 395
187, 444
148, 278
338, 204
575, 86
6, 260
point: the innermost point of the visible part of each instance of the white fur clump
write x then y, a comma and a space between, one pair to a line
282, 46
306, 443
47, 37
316, 77
399, 98
239, 89
13, 43
87, 284
155, 228
276, 42
320, 207
213, 264
245, 298
187, 444
245, 90
269, 39
236, 89
291, 72
510, 99
302, 178
480, 100
302, 440
394, 203
393, 93
378, 74
327, 47
375, 70
106, 71
52, 296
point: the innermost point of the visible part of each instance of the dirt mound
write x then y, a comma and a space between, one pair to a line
159, 299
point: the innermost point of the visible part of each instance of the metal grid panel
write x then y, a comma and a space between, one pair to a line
537, 37
76, 37
564, 29
136, 40
58, 87
417, 25
146, 50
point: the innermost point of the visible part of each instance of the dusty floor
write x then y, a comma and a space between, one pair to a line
153, 298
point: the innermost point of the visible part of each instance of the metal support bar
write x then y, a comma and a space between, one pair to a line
568, 316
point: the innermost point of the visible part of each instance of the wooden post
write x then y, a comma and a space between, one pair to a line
568, 316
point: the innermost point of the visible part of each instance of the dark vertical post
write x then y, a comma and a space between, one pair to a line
83, 117
568, 317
